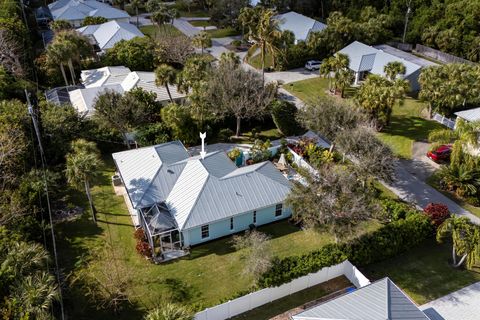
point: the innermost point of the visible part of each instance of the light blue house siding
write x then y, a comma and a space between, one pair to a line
241, 222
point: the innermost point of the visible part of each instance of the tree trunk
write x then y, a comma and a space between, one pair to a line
454, 255
263, 65
168, 91
64, 74
72, 71
125, 138
90, 200
461, 261
136, 12
237, 134
430, 110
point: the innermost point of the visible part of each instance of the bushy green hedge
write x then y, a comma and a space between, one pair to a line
284, 117
392, 239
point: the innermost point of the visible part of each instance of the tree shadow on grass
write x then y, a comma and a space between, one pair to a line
415, 128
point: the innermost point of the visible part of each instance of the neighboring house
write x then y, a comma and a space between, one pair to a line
43, 16
106, 35
470, 115
74, 11
365, 60
184, 200
381, 300
119, 79
300, 25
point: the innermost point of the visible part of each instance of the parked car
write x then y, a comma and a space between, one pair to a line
312, 65
442, 153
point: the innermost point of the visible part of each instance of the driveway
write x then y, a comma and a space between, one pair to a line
462, 304
291, 75
185, 27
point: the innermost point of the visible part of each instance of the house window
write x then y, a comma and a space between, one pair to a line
278, 210
254, 216
231, 223
205, 231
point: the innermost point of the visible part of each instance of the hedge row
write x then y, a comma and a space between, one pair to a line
388, 241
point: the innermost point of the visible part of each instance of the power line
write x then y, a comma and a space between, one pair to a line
42, 157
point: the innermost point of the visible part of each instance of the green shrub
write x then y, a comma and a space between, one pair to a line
225, 134
392, 239
236, 43
474, 201
395, 210
284, 116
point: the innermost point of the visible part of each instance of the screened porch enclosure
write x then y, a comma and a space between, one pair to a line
163, 236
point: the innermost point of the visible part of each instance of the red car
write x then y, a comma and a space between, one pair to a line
442, 153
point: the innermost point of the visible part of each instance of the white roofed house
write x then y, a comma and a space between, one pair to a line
74, 11
365, 59
184, 200
119, 79
301, 26
106, 35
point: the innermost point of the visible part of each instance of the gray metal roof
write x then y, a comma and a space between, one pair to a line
374, 59
198, 191
109, 33
300, 25
469, 115
381, 300
71, 10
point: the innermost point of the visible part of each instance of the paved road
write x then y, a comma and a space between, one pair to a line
462, 304
411, 189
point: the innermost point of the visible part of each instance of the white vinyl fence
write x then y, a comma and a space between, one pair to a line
258, 298
444, 120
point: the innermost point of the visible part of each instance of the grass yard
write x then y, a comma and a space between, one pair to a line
311, 89
295, 300
433, 181
194, 13
200, 23
153, 31
256, 61
211, 272
224, 32
407, 126
424, 273
248, 137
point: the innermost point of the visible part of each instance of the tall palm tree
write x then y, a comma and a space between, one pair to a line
393, 69
465, 238
326, 69
169, 311
339, 64
165, 75
82, 165
160, 17
202, 40
58, 53
265, 38
135, 4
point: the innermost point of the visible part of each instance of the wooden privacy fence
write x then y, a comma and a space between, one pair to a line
439, 55
258, 298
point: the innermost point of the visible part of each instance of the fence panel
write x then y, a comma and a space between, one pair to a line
256, 299
444, 120
439, 55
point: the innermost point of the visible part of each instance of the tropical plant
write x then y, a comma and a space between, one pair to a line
260, 151
465, 237
160, 17
93, 20
59, 25
338, 65
83, 163
202, 40
229, 58
438, 212
135, 4
393, 69
169, 311
165, 75
265, 38
136, 54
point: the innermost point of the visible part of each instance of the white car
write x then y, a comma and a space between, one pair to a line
313, 65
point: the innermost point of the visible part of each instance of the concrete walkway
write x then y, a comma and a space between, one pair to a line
185, 27
463, 304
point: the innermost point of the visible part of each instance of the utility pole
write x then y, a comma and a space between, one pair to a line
407, 14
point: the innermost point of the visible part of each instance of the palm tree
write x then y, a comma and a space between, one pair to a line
465, 237
343, 79
326, 70
160, 17
135, 4
58, 53
393, 69
165, 75
202, 40
82, 165
265, 38
338, 64
169, 311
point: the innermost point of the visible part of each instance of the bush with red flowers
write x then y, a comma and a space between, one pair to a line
143, 248
139, 234
438, 212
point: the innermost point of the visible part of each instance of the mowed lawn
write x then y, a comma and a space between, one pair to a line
407, 123
424, 273
166, 29
211, 273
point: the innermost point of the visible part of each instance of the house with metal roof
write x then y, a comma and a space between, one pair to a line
74, 11
301, 26
184, 200
470, 115
107, 34
365, 60
381, 300
119, 79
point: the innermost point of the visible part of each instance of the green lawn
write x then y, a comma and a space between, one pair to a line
424, 273
194, 13
407, 123
256, 61
295, 300
433, 181
247, 137
154, 31
224, 32
200, 23
211, 272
